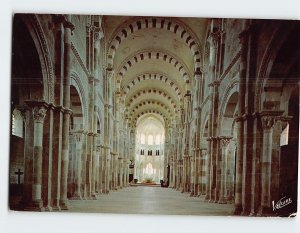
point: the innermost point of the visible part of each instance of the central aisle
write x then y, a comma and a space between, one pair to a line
150, 200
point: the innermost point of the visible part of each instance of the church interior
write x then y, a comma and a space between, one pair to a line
190, 109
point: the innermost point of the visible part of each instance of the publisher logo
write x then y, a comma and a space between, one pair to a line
284, 201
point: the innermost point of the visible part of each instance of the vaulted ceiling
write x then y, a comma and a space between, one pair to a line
152, 59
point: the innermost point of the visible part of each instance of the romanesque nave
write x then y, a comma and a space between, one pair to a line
200, 116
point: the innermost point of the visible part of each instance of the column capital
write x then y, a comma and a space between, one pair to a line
268, 118
213, 38
63, 19
39, 109
250, 28
215, 83
78, 135
109, 106
109, 72
98, 148
91, 79
285, 120
225, 140
98, 33
238, 119
68, 111
91, 134
198, 74
39, 113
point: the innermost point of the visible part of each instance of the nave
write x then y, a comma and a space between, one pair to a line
207, 107
151, 200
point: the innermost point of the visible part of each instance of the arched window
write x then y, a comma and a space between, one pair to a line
150, 139
17, 123
143, 139
157, 139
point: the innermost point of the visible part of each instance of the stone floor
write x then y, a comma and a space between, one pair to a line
150, 200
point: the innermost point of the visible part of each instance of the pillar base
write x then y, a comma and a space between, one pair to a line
48, 208
76, 197
64, 204
36, 205
56, 208
93, 197
265, 212
222, 200
238, 210
207, 198
252, 214
245, 213
105, 191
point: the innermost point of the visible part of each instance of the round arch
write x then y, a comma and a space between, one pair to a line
35, 29
171, 25
153, 76
77, 84
277, 40
159, 55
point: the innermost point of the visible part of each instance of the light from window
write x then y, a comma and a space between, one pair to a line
157, 139
17, 123
284, 136
150, 139
143, 139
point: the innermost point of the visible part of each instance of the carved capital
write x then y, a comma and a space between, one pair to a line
68, 24
213, 39
68, 111
109, 73
198, 74
63, 19
225, 140
268, 118
39, 113
284, 121
268, 122
98, 148
98, 33
78, 135
88, 30
39, 109
238, 119
91, 79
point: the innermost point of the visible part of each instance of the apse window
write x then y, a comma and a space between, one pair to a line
284, 136
150, 140
143, 139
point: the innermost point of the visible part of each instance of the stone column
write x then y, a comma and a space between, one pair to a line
256, 166
94, 166
78, 135
201, 166
28, 159
239, 166
240, 122
268, 120
223, 194
39, 110
100, 173
208, 171
186, 136
68, 27
217, 169
84, 173
47, 159
56, 159
196, 172
107, 128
